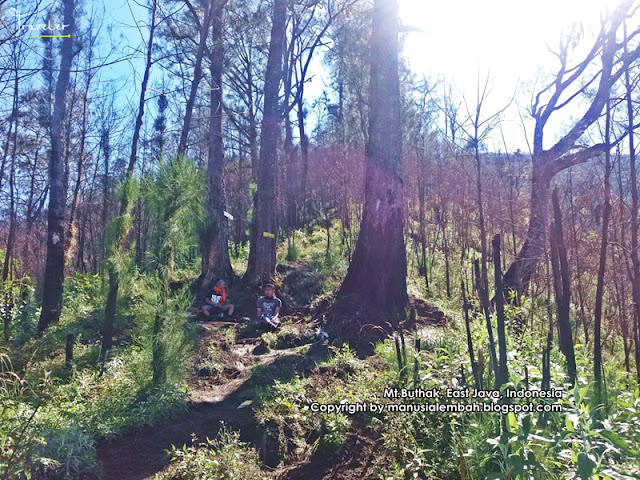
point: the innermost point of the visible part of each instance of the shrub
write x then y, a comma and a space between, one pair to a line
226, 458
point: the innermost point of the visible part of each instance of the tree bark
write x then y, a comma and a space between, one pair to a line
215, 241
376, 278
597, 317
562, 287
54, 269
502, 375
521, 271
264, 238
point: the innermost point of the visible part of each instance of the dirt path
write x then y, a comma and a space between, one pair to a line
212, 400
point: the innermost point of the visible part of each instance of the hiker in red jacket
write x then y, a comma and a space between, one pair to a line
217, 304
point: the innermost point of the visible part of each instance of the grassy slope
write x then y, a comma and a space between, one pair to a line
77, 406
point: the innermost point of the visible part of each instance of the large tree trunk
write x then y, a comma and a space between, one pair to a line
262, 255
519, 274
215, 241
376, 280
54, 269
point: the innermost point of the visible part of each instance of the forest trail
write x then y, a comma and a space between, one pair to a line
212, 400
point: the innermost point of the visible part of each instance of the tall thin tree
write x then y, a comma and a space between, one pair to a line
597, 317
54, 269
562, 287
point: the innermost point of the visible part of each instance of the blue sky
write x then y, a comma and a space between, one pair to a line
461, 41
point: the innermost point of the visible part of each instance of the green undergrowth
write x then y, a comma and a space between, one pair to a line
224, 458
573, 443
53, 413
310, 247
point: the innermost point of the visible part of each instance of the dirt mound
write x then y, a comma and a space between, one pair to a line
302, 285
357, 460
144, 452
427, 313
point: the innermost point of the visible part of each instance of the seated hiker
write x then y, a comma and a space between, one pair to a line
268, 307
217, 304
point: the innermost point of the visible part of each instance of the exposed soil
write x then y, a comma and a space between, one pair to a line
212, 400
144, 453
356, 461
427, 313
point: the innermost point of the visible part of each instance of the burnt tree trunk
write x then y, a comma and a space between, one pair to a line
379, 261
562, 288
215, 241
54, 269
262, 255
565, 152
502, 375
474, 365
483, 293
597, 317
